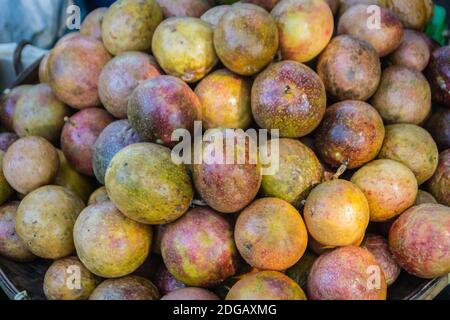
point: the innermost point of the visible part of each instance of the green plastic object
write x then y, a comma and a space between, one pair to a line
438, 24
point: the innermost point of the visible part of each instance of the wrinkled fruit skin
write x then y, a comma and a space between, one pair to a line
120, 77
350, 68
290, 97
5, 189
165, 282
280, 239
413, 51
113, 138
126, 288
439, 184
191, 294
389, 186
336, 213
419, 240
385, 38
184, 8
45, 220
79, 136
7, 139
412, 146
266, 285
298, 172
199, 249
246, 39
161, 105
39, 113
379, 247
74, 68
351, 133
342, 274
71, 179
11, 246
147, 186
8, 104
184, 48
99, 195
101, 229
439, 127
57, 277
128, 25
414, 14
404, 96
312, 19
438, 73
227, 188
213, 15
233, 109
92, 24
30, 163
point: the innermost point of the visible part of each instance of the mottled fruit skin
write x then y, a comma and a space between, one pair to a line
246, 39
438, 73
288, 96
113, 138
120, 77
350, 68
126, 288
439, 127
30, 163
351, 133
99, 195
43, 73
58, 276
424, 197
71, 179
419, 240
45, 220
280, 239
299, 171
379, 247
199, 249
266, 4
412, 146
386, 38
161, 105
266, 285
101, 229
347, 4
11, 246
184, 48
184, 8
346, 274
191, 294
5, 189
79, 136
389, 186
336, 213
7, 139
404, 96
147, 186
92, 24
439, 184
165, 282
74, 68
233, 109
39, 113
305, 28
413, 51
128, 25
8, 104
213, 15
228, 187
414, 14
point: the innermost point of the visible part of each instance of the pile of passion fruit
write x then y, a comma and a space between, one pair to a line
362, 189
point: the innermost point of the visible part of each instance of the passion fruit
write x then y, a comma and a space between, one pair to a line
439, 184
126, 288
184, 8
8, 104
439, 127
92, 24
438, 73
99, 195
413, 52
213, 15
191, 294
424, 197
